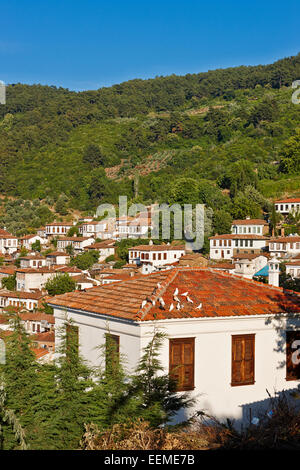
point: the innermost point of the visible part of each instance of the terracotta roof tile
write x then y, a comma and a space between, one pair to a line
220, 294
250, 222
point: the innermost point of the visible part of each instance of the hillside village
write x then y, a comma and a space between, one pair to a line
109, 328
163, 285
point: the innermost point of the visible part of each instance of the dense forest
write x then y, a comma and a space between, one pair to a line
229, 138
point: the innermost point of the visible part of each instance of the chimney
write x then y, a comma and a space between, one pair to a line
282, 232
274, 271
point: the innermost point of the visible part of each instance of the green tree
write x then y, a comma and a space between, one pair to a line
72, 402
154, 390
94, 156
60, 284
290, 161
36, 246
84, 261
10, 282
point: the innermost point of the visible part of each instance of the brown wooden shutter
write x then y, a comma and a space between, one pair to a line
181, 362
292, 370
242, 369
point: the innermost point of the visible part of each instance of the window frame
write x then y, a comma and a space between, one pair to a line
180, 385
235, 338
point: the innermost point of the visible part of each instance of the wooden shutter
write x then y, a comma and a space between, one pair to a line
112, 351
181, 362
242, 368
292, 369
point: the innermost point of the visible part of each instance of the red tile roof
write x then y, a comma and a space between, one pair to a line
157, 248
5, 234
251, 255
297, 199
239, 236
75, 239
223, 266
250, 222
37, 316
46, 336
59, 224
221, 294
21, 294
286, 239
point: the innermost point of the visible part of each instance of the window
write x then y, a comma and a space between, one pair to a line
181, 362
242, 367
112, 351
292, 350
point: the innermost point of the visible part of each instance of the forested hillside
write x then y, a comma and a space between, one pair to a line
227, 137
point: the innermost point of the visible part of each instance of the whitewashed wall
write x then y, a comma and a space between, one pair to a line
213, 389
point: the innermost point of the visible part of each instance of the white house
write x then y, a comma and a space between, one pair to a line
106, 248
37, 322
155, 255
227, 245
285, 246
247, 265
57, 228
8, 242
78, 243
28, 240
57, 258
93, 229
132, 227
250, 226
285, 206
293, 268
32, 261
29, 279
228, 339
28, 300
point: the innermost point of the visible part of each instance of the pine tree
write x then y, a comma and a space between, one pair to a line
73, 382
20, 377
155, 391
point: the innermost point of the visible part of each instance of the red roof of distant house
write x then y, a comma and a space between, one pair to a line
239, 236
297, 199
251, 256
221, 295
286, 239
157, 248
249, 222
64, 224
75, 239
21, 294
8, 270
40, 352
46, 336
5, 234
28, 237
222, 266
37, 316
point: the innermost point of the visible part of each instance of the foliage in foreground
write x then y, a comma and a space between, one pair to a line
278, 428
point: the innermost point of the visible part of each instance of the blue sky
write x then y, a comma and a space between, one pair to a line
93, 43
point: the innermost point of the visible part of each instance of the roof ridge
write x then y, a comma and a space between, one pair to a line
164, 284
